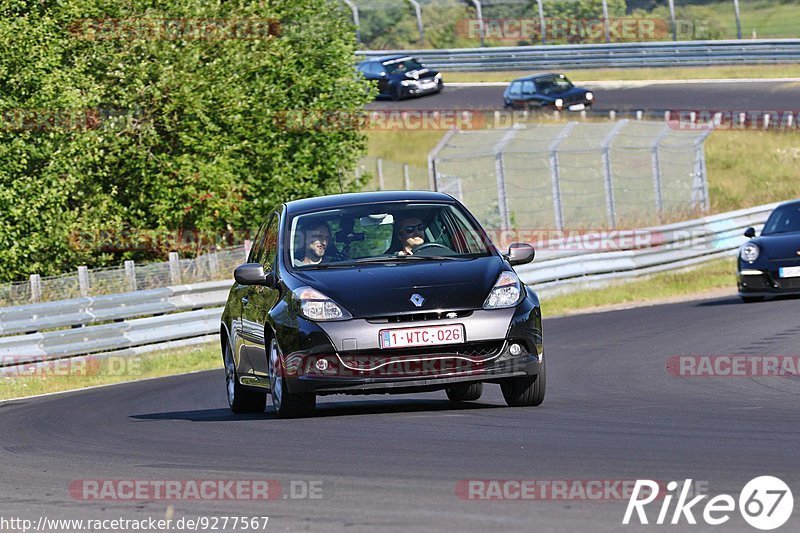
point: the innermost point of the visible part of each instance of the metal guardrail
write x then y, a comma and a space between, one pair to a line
668, 247
627, 55
129, 328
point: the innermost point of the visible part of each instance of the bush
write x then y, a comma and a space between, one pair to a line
104, 131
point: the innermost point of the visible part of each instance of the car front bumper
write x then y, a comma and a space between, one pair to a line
766, 282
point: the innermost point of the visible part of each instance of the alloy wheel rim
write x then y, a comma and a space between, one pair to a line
230, 377
275, 380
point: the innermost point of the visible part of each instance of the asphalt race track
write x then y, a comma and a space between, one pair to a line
729, 96
612, 412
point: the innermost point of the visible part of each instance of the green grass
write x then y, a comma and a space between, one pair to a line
635, 74
767, 18
71, 376
711, 276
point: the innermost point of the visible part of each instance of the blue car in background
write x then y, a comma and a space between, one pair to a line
547, 91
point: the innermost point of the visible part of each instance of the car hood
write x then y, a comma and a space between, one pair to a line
420, 74
572, 94
386, 288
779, 245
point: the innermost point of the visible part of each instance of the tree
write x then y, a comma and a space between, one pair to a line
165, 118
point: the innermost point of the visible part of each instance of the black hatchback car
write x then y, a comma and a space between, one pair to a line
385, 292
769, 265
400, 77
547, 91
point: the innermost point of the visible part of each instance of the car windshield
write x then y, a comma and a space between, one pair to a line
553, 84
383, 233
784, 219
400, 67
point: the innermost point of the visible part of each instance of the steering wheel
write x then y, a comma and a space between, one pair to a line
430, 246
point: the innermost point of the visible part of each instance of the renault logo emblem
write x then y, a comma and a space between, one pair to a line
417, 300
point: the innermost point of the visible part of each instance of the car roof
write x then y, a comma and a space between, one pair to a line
383, 59
360, 198
536, 75
790, 203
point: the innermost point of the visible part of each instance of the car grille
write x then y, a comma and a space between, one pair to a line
786, 283
476, 351
418, 317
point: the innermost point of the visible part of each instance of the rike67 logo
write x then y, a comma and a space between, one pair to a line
765, 503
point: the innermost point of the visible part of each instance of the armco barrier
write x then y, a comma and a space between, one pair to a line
190, 313
628, 55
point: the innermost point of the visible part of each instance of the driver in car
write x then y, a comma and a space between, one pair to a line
411, 233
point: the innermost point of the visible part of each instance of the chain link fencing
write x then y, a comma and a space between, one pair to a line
418, 24
621, 174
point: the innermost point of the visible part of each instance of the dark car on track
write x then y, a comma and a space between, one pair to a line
769, 265
547, 91
385, 292
400, 77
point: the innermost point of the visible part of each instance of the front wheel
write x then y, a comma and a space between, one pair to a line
525, 391
240, 399
286, 404
464, 392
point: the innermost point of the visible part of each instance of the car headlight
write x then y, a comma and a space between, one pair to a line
559, 102
505, 293
438, 76
589, 95
749, 252
316, 306
407, 83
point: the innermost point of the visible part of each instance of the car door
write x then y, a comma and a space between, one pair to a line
529, 95
257, 300
240, 294
514, 94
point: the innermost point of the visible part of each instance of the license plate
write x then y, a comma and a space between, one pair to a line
789, 272
421, 336
577, 107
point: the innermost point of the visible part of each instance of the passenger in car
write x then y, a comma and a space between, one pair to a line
316, 247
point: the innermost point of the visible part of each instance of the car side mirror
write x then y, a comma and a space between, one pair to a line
253, 274
520, 253
750, 233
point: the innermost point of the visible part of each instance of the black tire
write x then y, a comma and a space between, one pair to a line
396, 93
464, 392
240, 399
525, 391
752, 299
286, 404
439, 86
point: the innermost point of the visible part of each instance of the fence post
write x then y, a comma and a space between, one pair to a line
420, 28
479, 13
738, 21
380, 174
83, 280
213, 262
542, 26
356, 23
672, 22
500, 175
433, 154
130, 275
605, 21
555, 173
700, 182
609, 185
656, 167
406, 177
36, 287
247, 245
174, 268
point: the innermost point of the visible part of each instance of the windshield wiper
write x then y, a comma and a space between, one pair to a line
398, 258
